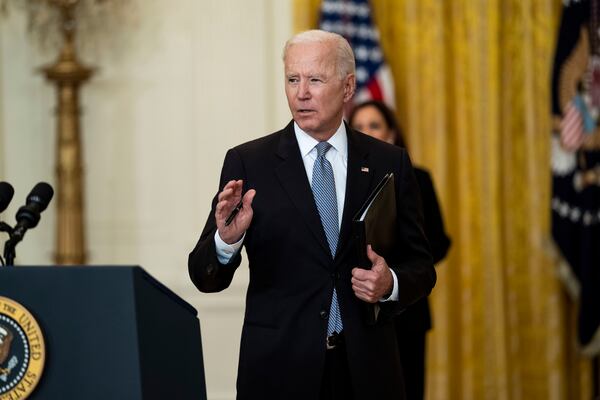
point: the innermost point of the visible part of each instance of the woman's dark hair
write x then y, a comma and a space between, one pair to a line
388, 116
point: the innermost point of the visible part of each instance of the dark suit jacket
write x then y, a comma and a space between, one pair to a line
292, 273
417, 317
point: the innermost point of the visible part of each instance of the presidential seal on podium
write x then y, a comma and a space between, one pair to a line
22, 351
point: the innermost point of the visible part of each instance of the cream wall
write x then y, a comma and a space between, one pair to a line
188, 80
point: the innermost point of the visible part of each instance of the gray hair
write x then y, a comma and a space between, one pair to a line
345, 57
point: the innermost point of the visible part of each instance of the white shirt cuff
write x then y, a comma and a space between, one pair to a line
226, 251
394, 295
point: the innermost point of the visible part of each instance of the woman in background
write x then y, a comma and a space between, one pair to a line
377, 120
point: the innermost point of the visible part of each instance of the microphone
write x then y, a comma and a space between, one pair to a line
6, 195
28, 215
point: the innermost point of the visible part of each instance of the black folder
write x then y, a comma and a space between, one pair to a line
375, 222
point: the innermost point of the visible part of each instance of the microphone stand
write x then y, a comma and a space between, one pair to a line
9, 246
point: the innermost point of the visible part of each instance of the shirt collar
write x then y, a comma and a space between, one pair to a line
338, 141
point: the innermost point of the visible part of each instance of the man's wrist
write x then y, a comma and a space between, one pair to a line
393, 294
226, 251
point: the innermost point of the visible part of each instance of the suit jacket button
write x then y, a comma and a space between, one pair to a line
210, 269
323, 314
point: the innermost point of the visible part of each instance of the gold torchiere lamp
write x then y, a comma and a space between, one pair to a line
68, 74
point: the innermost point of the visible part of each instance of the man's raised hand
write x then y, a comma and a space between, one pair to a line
228, 199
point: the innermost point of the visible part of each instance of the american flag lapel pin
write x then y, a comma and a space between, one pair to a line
364, 169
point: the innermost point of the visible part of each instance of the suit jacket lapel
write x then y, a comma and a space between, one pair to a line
358, 181
292, 176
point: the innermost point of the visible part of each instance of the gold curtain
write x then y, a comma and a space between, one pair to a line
472, 82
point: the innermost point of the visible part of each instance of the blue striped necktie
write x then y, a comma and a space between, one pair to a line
323, 187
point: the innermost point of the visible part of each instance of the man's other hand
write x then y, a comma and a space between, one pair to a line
372, 285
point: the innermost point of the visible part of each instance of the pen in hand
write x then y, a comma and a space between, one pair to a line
235, 212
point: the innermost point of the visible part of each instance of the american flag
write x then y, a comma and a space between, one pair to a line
352, 19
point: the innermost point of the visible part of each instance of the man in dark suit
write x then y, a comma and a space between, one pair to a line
305, 335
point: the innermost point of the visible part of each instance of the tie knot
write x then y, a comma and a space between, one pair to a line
322, 148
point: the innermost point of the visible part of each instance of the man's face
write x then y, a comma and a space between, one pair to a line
316, 95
